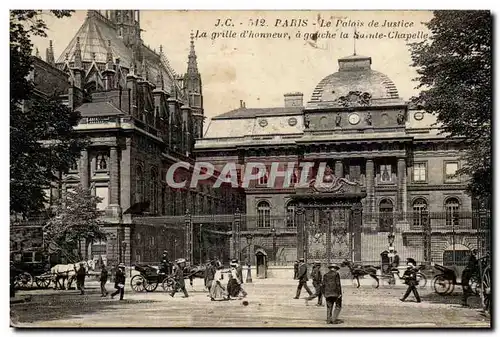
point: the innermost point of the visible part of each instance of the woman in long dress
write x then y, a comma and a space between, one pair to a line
217, 291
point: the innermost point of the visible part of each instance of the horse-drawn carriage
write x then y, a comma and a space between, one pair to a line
28, 268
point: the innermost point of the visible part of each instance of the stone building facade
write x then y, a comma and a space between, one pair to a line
356, 122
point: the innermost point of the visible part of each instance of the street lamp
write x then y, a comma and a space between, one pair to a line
273, 230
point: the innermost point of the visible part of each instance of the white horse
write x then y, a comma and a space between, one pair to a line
68, 272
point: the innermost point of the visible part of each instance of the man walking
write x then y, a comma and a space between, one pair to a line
80, 278
471, 268
119, 281
410, 277
104, 279
179, 278
302, 277
332, 290
295, 269
317, 282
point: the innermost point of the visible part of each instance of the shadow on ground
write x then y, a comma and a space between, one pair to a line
453, 299
63, 305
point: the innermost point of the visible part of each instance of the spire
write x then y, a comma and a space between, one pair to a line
144, 69
192, 64
78, 54
37, 53
109, 56
49, 55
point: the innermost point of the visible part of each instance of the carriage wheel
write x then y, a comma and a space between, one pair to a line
475, 284
150, 286
168, 284
137, 283
422, 280
42, 282
23, 281
442, 285
487, 288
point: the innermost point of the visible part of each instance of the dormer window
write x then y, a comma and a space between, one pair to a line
101, 163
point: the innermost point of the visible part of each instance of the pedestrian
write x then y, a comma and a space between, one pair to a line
295, 269
234, 284
104, 279
239, 271
209, 273
410, 278
317, 282
302, 277
80, 278
332, 290
179, 278
119, 281
471, 268
217, 291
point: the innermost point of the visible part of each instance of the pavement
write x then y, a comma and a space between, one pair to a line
270, 304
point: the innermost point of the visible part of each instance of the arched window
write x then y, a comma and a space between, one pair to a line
154, 191
418, 206
101, 163
139, 184
386, 218
263, 214
452, 207
290, 215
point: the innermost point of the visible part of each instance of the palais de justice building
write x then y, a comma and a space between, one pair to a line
357, 123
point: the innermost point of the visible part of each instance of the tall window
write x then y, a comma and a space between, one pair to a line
101, 163
290, 215
139, 184
452, 207
385, 173
154, 191
386, 217
419, 172
419, 205
263, 214
450, 172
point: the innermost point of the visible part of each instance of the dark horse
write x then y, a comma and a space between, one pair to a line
192, 272
361, 270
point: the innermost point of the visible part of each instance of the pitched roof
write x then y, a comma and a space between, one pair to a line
98, 109
259, 112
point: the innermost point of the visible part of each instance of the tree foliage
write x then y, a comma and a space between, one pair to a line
454, 71
34, 118
75, 219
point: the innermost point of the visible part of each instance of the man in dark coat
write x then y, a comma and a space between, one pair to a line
302, 276
80, 278
410, 277
471, 268
332, 290
179, 278
119, 281
104, 279
317, 282
164, 264
209, 274
295, 270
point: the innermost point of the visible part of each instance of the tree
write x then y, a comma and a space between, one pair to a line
34, 118
76, 218
454, 68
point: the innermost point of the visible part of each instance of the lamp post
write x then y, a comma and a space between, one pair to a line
273, 231
249, 259
201, 243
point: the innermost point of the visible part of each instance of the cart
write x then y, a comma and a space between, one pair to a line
445, 282
149, 279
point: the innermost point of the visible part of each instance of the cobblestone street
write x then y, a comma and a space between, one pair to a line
271, 304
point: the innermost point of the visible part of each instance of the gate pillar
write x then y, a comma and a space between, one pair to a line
300, 221
356, 225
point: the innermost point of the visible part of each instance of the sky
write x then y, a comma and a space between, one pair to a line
261, 71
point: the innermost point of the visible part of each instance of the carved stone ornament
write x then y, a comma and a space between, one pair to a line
401, 119
354, 99
332, 184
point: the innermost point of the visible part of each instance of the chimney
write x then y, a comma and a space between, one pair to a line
242, 104
294, 99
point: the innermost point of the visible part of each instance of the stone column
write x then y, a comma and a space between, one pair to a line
114, 183
127, 249
339, 169
370, 188
299, 220
84, 168
401, 187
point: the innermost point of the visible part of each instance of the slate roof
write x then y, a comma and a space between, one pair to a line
259, 112
98, 109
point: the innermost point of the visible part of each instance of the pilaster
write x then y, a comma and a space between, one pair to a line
84, 168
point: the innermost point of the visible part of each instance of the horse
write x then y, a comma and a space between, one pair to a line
198, 271
67, 272
361, 270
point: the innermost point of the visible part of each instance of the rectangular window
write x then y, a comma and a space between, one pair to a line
450, 172
385, 173
419, 172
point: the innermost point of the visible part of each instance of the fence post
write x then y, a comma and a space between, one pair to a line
236, 233
426, 227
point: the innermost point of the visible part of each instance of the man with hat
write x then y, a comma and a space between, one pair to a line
295, 269
164, 264
317, 278
80, 278
332, 290
119, 281
471, 268
179, 278
410, 277
302, 277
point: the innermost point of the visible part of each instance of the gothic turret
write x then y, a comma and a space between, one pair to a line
109, 71
193, 87
78, 65
49, 54
128, 26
